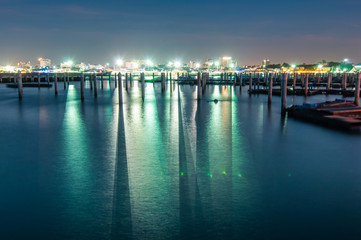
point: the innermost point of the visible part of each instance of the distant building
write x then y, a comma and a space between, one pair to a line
266, 62
44, 62
227, 62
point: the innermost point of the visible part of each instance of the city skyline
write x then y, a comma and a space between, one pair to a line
103, 31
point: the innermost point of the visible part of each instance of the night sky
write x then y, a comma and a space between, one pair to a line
101, 31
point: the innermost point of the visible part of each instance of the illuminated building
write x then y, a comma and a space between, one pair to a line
44, 62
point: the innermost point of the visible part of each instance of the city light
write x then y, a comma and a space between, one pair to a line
198, 65
170, 64
177, 64
216, 63
149, 63
293, 66
119, 62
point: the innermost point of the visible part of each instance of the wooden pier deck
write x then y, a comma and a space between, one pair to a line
339, 114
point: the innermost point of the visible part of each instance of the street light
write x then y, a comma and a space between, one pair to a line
177, 64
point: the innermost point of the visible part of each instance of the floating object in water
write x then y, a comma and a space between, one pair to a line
215, 100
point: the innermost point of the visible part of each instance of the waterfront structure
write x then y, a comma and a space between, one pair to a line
44, 62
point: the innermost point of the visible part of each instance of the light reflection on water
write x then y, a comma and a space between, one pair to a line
172, 167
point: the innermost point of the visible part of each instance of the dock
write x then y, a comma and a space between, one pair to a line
339, 114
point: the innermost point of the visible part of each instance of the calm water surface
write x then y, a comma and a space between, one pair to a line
172, 167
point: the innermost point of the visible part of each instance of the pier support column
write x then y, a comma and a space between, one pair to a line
163, 81
48, 78
67, 78
82, 87
95, 86
250, 83
357, 90
199, 85
329, 81
344, 82
126, 81
56, 84
306, 84
20, 86
294, 81
143, 84
102, 80
240, 81
64, 78
120, 89
39, 80
115, 80
270, 88
284, 93
204, 82
91, 82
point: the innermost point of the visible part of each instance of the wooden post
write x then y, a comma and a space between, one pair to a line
67, 78
306, 84
240, 81
329, 81
126, 81
153, 77
64, 78
48, 78
102, 80
163, 81
130, 79
250, 83
204, 80
115, 80
319, 78
95, 85
199, 86
56, 83
20, 86
270, 89
221, 77
82, 86
344, 83
143, 84
357, 90
284, 93
235, 79
120, 89
294, 81
302, 79
91, 82
39, 80
110, 78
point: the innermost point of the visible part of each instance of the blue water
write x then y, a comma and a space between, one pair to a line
172, 167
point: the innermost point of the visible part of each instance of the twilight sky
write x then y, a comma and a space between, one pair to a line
101, 31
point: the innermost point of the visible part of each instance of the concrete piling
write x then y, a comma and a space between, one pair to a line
102, 80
